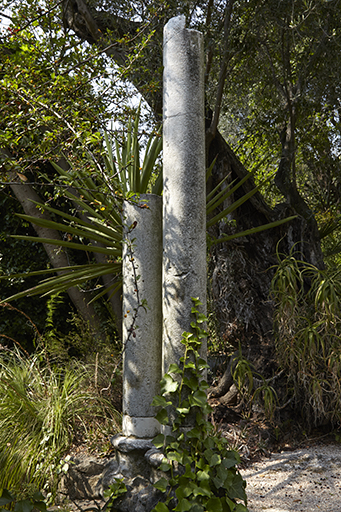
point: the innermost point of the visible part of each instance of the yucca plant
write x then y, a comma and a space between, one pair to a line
134, 176
99, 203
98, 227
308, 342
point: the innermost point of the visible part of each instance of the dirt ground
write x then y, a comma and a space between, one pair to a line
288, 472
303, 480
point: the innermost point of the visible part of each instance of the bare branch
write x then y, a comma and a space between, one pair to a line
29, 23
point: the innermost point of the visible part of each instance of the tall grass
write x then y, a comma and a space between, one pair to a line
43, 409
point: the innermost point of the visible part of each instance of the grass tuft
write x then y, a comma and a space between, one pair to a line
44, 409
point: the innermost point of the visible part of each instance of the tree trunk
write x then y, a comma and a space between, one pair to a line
57, 255
114, 300
241, 270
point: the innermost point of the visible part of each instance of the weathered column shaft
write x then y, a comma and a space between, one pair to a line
142, 334
184, 184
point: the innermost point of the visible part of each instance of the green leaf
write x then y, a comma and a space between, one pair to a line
203, 475
177, 456
174, 368
160, 401
199, 398
183, 410
204, 489
160, 507
183, 506
231, 459
252, 231
183, 491
203, 385
161, 484
159, 440
201, 464
6, 497
214, 505
215, 460
191, 382
220, 479
165, 466
189, 364
201, 318
162, 417
194, 433
202, 364
240, 508
196, 301
236, 488
23, 506
168, 384
109, 251
188, 472
40, 505
196, 507
38, 496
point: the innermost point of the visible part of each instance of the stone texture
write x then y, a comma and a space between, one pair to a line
154, 457
128, 444
88, 476
135, 460
143, 348
184, 184
141, 496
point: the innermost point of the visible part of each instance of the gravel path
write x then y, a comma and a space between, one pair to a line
305, 480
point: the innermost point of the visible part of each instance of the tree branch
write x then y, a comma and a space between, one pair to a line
222, 75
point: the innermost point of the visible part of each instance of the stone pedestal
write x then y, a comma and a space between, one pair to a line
135, 460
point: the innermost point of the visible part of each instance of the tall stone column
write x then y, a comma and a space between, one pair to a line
184, 184
142, 324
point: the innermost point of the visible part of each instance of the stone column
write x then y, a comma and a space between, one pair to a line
184, 184
142, 324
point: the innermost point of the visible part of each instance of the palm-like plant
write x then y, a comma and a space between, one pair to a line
98, 227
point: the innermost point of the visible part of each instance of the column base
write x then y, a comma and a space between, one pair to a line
140, 427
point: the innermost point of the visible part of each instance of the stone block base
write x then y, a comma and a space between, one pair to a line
135, 460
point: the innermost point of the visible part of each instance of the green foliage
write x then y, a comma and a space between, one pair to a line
252, 386
31, 503
130, 174
28, 318
42, 410
99, 199
200, 468
17, 257
54, 90
283, 71
308, 324
115, 491
221, 194
79, 341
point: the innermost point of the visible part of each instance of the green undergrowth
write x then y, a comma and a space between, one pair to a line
30, 503
199, 466
308, 322
45, 408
